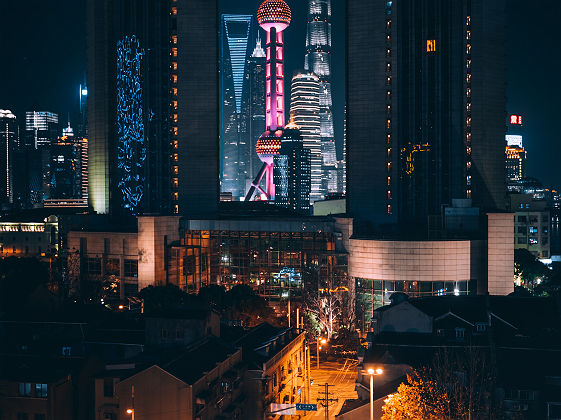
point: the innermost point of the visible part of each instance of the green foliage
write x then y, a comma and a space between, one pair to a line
535, 277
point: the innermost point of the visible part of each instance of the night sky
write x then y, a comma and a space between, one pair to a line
43, 60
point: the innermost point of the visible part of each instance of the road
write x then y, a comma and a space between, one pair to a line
340, 374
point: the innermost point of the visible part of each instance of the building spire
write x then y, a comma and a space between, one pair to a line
258, 52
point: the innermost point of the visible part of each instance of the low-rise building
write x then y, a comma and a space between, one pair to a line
532, 224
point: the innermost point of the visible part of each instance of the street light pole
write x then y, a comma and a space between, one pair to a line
373, 372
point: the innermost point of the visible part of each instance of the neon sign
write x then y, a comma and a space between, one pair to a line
516, 119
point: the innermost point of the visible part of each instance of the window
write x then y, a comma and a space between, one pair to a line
66, 351
431, 45
164, 334
113, 267
41, 390
481, 327
108, 390
460, 333
24, 390
131, 268
93, 266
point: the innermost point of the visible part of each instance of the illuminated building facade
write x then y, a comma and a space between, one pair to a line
271, 255
235, 36
41, 128
292, 172
318, 61
143, 157
532, 224
8, 144
305, 110
274, 17
515, 163
425, 109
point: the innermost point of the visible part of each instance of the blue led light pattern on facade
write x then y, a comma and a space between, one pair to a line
131, 150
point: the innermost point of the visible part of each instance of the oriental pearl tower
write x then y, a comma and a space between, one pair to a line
274, 17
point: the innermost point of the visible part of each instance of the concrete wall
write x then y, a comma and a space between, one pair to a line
500, 253
412, 260
154, 234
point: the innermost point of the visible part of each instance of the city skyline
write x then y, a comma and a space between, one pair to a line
51, 73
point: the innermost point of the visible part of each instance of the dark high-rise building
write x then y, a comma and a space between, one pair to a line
425, 108
292, 171
234, 43
8, 144
256, 106
41, 129
152, 106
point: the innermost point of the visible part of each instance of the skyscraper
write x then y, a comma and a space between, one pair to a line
292, 171
318, 61
235, 35
41, 128
425, 110
256, 106
305, 109
8, 144
152, 106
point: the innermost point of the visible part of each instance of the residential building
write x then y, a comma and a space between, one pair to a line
497, 330
532, 225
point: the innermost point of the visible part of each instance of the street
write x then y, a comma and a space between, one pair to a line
340, 376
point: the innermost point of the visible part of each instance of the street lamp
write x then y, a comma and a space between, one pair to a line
318, 348
131, 412
373, 372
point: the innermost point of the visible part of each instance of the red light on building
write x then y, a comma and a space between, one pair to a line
516, 119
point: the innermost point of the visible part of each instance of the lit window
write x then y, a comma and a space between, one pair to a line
389, 209
174, 91
431, 45
468, 64
468, 35
174, 104
468, 49
174, 10
468, 78
174, 39
468, 92
174, 65
174, 78
389, 124
389, 181
468, 20
24, 390
174, 51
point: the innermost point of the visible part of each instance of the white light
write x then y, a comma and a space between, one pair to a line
84, 92
456, 292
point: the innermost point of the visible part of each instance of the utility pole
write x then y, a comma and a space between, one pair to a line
324, 402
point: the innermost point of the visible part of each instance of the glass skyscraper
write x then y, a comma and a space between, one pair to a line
41, 128
305, 110
318, 61
235, 153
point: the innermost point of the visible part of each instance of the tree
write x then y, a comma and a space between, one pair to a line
157, 298
324, 309
528, 270
19, 277
419, 398
458, 386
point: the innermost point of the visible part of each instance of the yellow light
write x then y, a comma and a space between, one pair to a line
371, 371
121, 307
379, 371
130, 411
323, 341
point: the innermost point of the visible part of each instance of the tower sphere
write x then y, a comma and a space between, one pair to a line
269, 145
274, 14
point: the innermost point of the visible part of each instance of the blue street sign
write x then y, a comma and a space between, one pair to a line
306, 407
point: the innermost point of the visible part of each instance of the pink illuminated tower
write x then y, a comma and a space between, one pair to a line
274, 17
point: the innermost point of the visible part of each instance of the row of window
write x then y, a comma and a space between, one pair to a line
112, 267
25, 390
